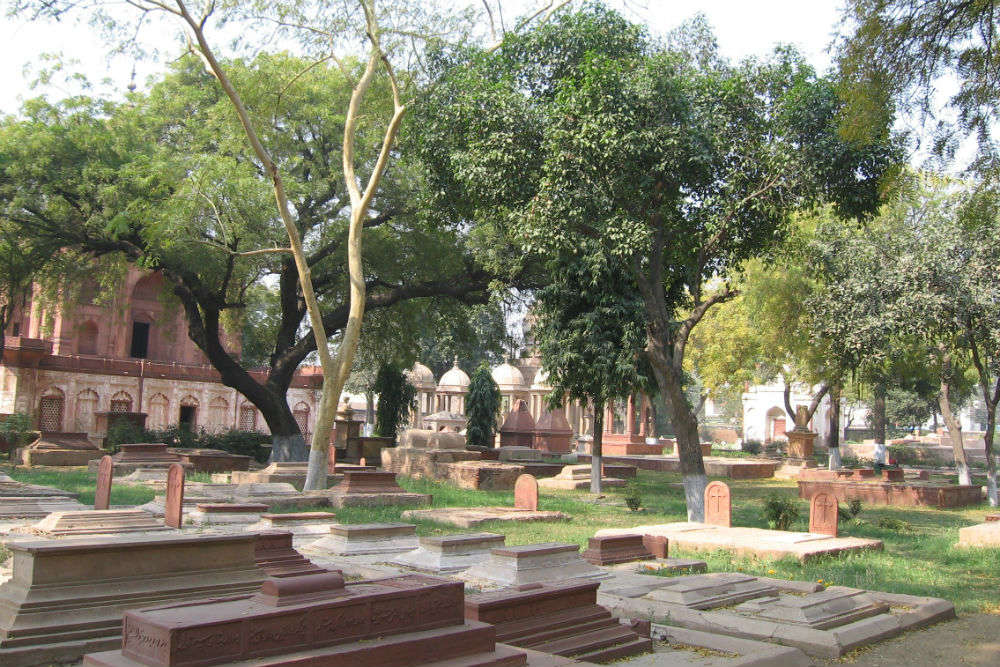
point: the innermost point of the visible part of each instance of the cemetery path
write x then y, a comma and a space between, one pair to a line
972, 639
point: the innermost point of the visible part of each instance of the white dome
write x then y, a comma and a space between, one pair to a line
508, 378
541, 382
454, 380
421, 377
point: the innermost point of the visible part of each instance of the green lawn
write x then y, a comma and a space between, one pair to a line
919, 556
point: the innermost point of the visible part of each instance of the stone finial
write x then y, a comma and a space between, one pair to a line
801, 418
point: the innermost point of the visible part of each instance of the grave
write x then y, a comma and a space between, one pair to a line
447, 554
680, 647
173, 512
373, 489
531, 564
275, 495
718, 505
362, 539
483, 474
519, 453
559, 618
714, 466
67, 597
553, 433
823, 515
211, 460
20, 500
758, 542
980, 535
576, 477
526, 493
145, 455
822, 622
415, 438
58, 449
222, 514
283, 472
93, 522
900, 494
474, 517
297, 523
274, 553
102, 491
615, 549
518, 427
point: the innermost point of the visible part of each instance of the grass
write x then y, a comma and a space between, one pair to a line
919, 556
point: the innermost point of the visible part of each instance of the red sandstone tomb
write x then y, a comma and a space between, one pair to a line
614, 549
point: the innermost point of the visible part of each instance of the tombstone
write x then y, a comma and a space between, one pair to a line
823, 514
526, 493
331, 460
174, 512
718, 506
102, 496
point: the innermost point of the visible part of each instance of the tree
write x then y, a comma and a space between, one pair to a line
395, 399
482, 408
167, 183
589, 332
585, 137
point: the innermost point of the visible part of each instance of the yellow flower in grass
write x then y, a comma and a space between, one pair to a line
770, 571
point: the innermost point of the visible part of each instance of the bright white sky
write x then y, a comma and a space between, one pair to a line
743, 28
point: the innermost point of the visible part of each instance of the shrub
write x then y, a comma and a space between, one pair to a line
17, 430
752, 446
780, 512
851, 513
246, 443
890, 523
633, 495
482, 406
122, 432
395, 398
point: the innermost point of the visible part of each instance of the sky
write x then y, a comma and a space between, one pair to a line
743, 29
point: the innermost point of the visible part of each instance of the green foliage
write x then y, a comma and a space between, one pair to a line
395, 399
245, 443
632, 495
780, 512
17, 429
482, 408
124, 431
752, 446
851, 513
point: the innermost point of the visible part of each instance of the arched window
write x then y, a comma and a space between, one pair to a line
218, 414
50, 410
248, 417
159, 411
86, 406
121, 402
86, 338
301, 413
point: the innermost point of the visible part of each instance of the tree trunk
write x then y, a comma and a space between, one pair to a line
954, 427
688, 442
991, 464
833, 428
596, 449
878, 423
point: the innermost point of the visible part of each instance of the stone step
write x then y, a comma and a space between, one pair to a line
588, 643
555, 634
530, 629
617, 652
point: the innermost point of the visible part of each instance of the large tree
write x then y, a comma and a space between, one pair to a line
586, 136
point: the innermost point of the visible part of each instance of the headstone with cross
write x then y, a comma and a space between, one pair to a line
823, 514
718, 507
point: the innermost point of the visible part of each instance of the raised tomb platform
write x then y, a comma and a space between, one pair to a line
447, 554
59, 449
318, 619
821, 622
93, 522
473, 517
758, 542
980, 535
145, 455
286, 472
20, 500
577, 477
363, 539
211, 460
67, 597
531, 564
272, 494
900, 494
559, 618
226, 514
714, 466
296, 523
373, 489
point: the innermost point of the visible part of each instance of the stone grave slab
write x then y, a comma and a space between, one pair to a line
576, 477
519, 453
211, 460
823, 514
173, 512
102, 493
59, 449
285, 472
902, 494
315, 619
980, 535
274, 553
531, 564
447, 554
472, 517
825, 622
274, 494
526, 493
658, 545
718, 504
367, 538
298, 523
615, 549
374, 489
20, 500
147, 455
679, 647
67, 597
216, 514
758, 542
559, 618
93, 522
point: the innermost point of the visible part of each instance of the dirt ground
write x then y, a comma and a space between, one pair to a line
969, 640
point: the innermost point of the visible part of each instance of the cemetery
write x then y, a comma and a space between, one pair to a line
499, 333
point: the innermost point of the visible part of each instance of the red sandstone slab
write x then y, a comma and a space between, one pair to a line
823, 515
718, 504
532, 550
102, 494
905, 494
614, 549
364, 482
275, 554
526, 493
231, 508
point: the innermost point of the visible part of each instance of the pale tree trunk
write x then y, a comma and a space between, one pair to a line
878, 423
833, 428
596, 448
991, 396
954, 427
688, 443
